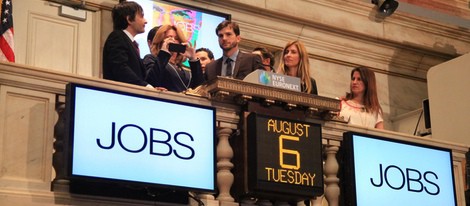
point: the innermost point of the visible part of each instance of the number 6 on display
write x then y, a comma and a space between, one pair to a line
283, 151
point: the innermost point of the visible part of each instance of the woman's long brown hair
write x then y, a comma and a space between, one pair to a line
371, 101
303, 70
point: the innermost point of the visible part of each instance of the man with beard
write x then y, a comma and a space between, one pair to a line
233, 63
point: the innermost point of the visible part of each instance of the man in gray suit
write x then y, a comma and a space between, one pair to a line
233, 63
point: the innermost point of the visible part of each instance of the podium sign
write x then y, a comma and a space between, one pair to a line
284, 157
272, 79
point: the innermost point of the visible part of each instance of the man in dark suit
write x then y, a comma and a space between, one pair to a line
121, 58
233, 63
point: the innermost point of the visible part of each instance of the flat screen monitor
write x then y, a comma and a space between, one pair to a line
135, 140
197, 24
384, 171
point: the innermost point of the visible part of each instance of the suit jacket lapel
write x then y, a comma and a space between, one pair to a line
130, 45
240, 58
218, 67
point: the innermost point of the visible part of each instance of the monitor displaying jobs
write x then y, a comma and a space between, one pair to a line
197, 24
126, 138
382, 171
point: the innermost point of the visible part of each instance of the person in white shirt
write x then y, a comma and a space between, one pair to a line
361, 105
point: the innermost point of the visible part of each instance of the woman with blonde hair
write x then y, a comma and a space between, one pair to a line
165, 68
361, 104
294, 62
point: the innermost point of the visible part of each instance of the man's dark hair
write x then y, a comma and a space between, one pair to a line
208, 51
123, 10
228, 23
266, 55
152, 33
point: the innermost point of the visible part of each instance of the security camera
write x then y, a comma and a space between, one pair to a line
386, 7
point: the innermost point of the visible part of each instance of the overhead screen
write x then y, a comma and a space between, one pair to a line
382, 171
128, 139
197, 24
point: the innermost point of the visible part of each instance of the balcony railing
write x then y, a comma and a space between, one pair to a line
32, 133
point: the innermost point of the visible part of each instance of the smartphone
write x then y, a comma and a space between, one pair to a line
177, 48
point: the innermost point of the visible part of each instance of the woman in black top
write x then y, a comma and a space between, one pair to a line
294, 62
165, 69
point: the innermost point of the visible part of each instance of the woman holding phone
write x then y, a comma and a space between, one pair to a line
169, 50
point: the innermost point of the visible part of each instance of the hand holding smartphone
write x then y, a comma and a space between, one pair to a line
179, 48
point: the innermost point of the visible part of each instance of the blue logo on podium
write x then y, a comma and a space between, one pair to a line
265, 78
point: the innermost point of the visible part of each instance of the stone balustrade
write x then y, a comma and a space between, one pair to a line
32, 137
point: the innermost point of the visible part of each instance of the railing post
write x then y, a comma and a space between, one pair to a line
318, 201
331, 167
207, 199
205, 196
59, 158
224, 175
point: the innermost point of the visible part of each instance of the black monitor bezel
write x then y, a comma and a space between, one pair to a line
69, 137
347, 173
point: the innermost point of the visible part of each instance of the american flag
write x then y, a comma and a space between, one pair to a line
6, 31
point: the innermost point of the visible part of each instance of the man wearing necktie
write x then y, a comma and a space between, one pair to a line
121, 58
228, 67
136, 47
233, 63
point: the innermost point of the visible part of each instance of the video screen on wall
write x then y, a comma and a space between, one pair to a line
197, 24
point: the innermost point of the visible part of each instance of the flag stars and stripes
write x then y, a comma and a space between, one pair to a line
6, 32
